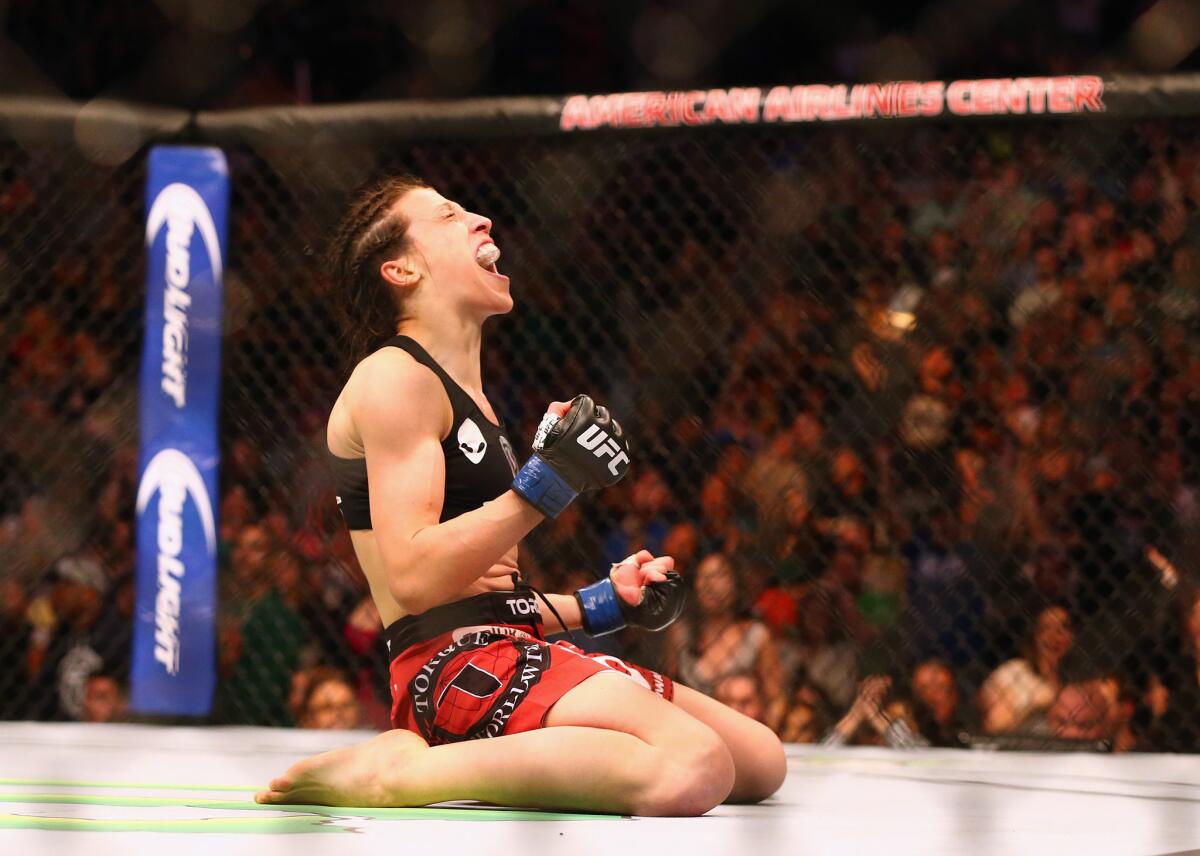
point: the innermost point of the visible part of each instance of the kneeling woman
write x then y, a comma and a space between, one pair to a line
430, 489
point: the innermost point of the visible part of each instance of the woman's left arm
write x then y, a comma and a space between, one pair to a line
629, 578
567, 607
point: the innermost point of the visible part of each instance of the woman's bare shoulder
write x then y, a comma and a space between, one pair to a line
390, 386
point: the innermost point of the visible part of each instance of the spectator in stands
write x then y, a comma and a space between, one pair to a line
1177, 680
68, 657
17, 634
848, 491
718, 529
363, 662
824, 648
872, 718
1082, 711
329, 702
248, 578
742, 692
804, 717
1096, 707
272, 633
1129, 714
682, 543
718, 637
1027, 685
945, 589
104, 699
561, 546
646, 522
938, 709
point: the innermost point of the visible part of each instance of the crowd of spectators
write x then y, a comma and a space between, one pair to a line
923, 436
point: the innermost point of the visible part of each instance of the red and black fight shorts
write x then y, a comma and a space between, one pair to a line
480, 667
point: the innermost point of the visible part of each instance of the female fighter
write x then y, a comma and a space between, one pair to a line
430, 489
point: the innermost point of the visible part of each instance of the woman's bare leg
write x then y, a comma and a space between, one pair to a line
611, 747
758, 759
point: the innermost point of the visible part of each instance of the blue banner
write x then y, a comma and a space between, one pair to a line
187, 204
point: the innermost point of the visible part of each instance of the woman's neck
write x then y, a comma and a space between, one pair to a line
714, 623
1046, 664
453, 343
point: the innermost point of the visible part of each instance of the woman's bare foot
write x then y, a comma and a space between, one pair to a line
363, 776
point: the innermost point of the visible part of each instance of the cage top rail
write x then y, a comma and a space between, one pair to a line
1028, 98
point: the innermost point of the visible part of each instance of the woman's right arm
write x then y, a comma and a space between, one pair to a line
401, 421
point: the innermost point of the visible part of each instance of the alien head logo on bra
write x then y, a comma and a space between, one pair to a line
471, 441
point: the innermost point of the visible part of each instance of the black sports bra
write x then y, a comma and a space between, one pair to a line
480, 463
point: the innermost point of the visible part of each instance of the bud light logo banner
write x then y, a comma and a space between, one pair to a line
187, 207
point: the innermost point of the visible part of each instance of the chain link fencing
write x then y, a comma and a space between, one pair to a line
70, 316
911, 401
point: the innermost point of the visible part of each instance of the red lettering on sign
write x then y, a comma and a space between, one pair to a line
1062, 92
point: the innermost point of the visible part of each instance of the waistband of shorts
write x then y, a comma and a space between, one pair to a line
514, 608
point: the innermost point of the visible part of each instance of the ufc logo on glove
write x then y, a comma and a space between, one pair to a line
596, 440
560, 467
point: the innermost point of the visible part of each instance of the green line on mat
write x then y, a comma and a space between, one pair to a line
148, 786
308, 818
242, 825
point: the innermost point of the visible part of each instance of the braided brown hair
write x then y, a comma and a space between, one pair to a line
370, 233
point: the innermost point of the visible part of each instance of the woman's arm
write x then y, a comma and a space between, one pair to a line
401, 417
1002, 698
568, 608
868, 707
770, 672
628, 576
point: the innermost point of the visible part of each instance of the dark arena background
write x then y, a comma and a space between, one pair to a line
909, 353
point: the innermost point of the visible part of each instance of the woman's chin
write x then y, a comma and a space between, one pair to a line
501, 293
508, 305
497, 304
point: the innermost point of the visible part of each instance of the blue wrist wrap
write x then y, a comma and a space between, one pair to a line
600, 608
543, 488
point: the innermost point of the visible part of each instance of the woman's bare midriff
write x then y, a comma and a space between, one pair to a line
497, 578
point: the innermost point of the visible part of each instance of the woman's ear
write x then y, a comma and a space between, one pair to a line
400, 272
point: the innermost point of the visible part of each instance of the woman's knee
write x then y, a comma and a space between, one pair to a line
765, 775
694, 776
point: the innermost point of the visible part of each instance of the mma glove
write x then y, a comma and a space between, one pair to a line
583, 450
604, 611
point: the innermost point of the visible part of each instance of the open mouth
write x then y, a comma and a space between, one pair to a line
486, 257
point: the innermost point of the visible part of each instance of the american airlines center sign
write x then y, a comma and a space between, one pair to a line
187, 202
897, 99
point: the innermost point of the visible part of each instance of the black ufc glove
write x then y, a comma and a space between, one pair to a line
604, 611
584, 450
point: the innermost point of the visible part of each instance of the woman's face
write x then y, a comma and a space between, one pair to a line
801, 725
934, 685
1053, 633
714, 499
444, 239
714, 585
332, 705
